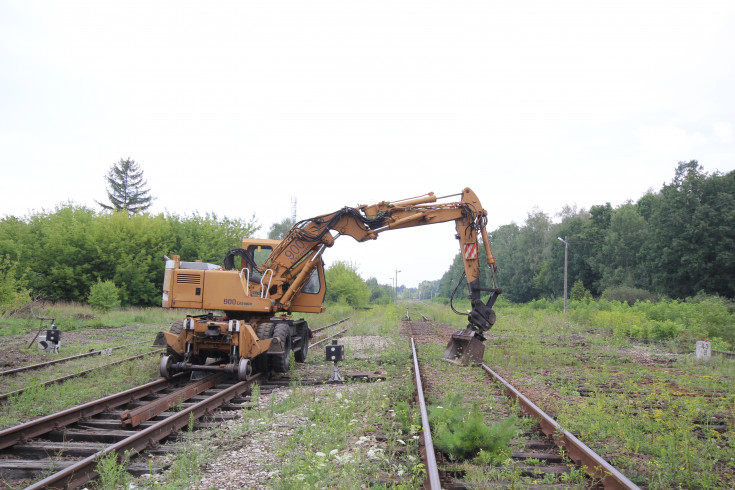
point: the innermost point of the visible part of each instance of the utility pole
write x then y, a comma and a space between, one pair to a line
565, 241
396, 283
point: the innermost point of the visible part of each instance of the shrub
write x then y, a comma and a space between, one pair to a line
12, 293
627, 294
104, 296
344, 285
463, 434
579, 292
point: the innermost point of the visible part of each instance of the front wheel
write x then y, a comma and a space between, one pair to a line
280, 362
165, 366
244, 370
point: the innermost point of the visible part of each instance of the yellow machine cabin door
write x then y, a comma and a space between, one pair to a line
311, 296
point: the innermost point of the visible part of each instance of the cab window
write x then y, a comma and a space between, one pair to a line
312, 286
260, 253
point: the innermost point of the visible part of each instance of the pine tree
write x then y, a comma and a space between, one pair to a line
126, 188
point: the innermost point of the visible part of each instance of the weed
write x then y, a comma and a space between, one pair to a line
255, 395
112, 471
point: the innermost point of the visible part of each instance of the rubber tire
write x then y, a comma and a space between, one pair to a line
177, 327
300, 355
264, 331
280, 362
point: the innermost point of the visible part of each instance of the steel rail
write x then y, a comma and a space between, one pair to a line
432, 470
5, 396
34, 428
84, 470
56, 361
330, 325
136, 416
578, 452
328, 338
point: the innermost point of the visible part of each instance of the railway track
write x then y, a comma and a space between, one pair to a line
41, 365
540, 459
324, 338
5, 396
64, 448
69, 444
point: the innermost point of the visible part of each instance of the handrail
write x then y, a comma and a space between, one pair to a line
246, 284
264, 291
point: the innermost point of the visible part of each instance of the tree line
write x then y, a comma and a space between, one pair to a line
675, 243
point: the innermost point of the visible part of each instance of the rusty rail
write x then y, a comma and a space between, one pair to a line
578, 452
314, 344
84, 470
34, 428
135, 417
330, 325
432, 470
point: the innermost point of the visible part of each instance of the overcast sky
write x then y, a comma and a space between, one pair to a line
238, 107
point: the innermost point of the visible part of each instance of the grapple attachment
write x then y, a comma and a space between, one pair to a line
464, 348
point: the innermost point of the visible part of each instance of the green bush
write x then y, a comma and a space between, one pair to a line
12, 293
462, 433
580, 293
104, 296
344, 285
628, 295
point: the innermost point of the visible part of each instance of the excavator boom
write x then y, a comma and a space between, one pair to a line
282, 277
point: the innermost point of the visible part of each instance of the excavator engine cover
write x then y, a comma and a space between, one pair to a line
464, 348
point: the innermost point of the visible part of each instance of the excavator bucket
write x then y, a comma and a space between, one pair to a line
464, 348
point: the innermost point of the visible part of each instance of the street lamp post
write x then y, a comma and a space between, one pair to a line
396, 284
565, 241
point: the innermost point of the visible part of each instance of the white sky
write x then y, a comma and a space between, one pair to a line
236, 107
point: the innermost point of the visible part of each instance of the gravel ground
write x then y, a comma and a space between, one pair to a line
253, 455
249, 462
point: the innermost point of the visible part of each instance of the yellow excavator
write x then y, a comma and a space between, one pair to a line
255, 331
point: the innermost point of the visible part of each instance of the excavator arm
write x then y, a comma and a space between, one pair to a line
295, 258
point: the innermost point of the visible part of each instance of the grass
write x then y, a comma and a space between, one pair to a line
40, 400
643, 413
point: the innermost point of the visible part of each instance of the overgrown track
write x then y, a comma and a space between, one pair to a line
582, 455
65, 359
5, 396
70, 443
541, 445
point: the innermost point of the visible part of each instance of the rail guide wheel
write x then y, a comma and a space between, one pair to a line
244, 370
165, 366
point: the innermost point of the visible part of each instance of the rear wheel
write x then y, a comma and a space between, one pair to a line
177, 327
300, 355
280, 362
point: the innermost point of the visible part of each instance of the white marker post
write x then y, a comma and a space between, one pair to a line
704, 350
